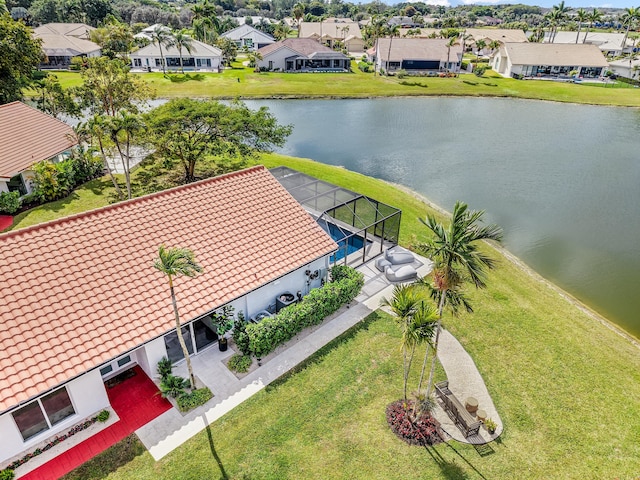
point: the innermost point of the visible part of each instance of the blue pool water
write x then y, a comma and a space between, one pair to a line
353, 243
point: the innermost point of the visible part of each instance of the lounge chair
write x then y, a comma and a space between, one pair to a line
400, 273
398, 256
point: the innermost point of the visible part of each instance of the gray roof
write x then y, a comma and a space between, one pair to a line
78, 30
55, 45
307, 47
198, 49
417, 49
244, 31
555, 54
335, 30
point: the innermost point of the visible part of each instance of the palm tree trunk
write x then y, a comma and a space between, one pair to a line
578, 34
181, 66
587, 32
435, 343
424, 367
127, 172
162, 58
185, 351
389, 54
105, 161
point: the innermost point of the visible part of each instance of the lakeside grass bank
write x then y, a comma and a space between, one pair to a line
567, 388
242, 82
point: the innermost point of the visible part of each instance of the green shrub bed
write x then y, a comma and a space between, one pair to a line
265, 336
239, 363
189, 401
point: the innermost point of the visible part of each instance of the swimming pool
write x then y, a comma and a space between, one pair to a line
347, 246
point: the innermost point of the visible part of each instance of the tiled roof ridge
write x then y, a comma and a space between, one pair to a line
88, 213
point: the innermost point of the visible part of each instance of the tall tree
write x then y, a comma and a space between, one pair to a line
174, 262
457, 258
20, 54
594, 16
480, 44
450, 43
629, 19
161, 35
123, 128
53, 99
582, 16
184, 131
96, 131
298, 13
108, 87
392, 31
182, 41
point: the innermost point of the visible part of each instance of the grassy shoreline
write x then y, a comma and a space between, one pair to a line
243, 83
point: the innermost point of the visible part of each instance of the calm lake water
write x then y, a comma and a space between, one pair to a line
562, 180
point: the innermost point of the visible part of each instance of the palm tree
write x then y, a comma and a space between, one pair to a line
480, 44
126, 125
404, 304
494, 45
298, 14
254, 57
174, 262
393, 31
629, 18
452, 41
182, 40
160, 36
96, 128
376, 28
582, 15
456, 256
557, 16
594, 16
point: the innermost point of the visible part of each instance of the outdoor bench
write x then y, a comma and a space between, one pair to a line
456, 411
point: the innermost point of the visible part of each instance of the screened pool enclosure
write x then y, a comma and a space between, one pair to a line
361, 226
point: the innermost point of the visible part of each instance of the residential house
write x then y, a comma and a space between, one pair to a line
202, 57
402, 21
302, 55
255, 20
626, 67
334, 31
548, 60
416, 55
611, 44
28, 136
63, 41
147, 32
489, 35
248, 37
83, 302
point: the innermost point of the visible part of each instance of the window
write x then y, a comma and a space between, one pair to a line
171, 342
124, 360
41, 414
137, 62
106, 370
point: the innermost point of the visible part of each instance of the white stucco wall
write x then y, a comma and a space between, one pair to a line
153, 351
3, 186
278, 58
150, 61
88, 396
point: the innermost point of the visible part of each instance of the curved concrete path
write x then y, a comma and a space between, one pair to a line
464, 381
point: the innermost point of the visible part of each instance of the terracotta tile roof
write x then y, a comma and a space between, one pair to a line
82, 290
28, 136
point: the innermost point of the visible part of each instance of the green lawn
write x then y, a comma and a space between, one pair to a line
567, 389
362, 85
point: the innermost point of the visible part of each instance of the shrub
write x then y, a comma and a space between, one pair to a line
103, 416
189, 401
240, 336
239, 363
401, 73
265, 336
76, 63
421, 431
9, 202
85, 166
364, 66
173, 386
7, 474
165, 367
479, 70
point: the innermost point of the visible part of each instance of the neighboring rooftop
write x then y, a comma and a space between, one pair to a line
198, 49
307, 47
330, 29
78, 30
28, 136
56, 45
418, 49
555, 54
82, 290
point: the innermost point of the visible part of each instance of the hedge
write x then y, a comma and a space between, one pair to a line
265, 336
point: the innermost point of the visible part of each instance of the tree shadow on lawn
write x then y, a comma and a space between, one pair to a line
451, 469
321, 353
212, 447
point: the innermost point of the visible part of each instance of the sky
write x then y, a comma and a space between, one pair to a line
542, 3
